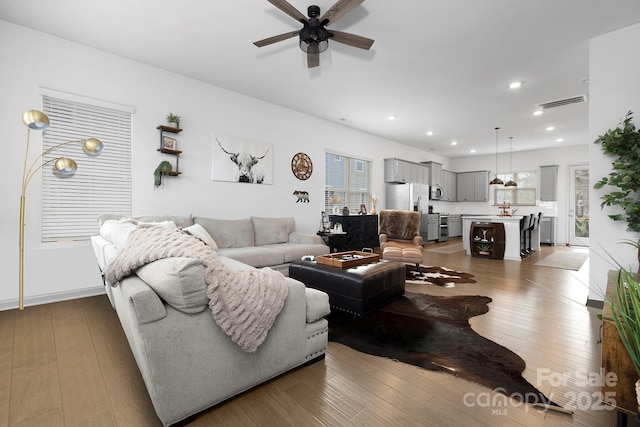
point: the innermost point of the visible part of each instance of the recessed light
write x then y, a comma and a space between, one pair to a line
392, 117
515, 85
550, 128
559, 140
430, 133
472, 151
454, 142
537, 113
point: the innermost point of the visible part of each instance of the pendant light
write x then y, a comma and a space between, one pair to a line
511, 183
496, 182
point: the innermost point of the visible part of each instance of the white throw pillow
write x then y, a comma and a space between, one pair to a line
117, 231
201, 233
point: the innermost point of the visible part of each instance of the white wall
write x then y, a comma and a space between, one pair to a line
65, 270
614, 68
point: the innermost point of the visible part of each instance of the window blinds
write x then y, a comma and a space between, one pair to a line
71, 206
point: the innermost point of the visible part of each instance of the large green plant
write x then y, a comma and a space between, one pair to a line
625, 310
623, 144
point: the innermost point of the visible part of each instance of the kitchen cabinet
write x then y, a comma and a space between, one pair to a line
449, 186
397, 170
548, 230
433, 227
435, 176
548, 183
455, 225
473, 186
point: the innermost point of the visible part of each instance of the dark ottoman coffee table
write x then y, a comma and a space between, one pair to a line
358, 290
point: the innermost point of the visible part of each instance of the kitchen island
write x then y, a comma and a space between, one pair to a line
511, 234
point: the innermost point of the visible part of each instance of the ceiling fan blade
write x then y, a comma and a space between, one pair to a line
284, 6
313, 57
351, 39
339, 9
276, 39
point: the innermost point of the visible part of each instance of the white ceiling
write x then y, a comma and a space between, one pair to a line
438, 65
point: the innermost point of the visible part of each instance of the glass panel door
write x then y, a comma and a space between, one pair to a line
579, 208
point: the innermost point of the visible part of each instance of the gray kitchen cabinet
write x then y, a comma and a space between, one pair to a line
481, 186
433, 227
397, 170
473, 186
548, 230
449, 186
455, 225
548, 183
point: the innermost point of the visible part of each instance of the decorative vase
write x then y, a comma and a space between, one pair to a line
335, 210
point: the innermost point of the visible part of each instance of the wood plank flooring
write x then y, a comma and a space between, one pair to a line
69, 364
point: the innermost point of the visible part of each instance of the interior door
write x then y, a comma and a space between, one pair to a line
579, 205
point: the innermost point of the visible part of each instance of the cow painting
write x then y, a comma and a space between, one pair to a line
240, 160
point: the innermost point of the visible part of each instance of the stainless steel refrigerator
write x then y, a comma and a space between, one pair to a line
410, 197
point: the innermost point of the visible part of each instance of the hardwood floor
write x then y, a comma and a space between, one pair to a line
68, 364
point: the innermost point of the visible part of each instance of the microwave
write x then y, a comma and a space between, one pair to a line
436, 193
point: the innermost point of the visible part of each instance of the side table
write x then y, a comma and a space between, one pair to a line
335, 241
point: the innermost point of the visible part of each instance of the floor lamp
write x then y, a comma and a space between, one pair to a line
62, 166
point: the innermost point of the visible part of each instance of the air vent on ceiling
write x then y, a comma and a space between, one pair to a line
561, 102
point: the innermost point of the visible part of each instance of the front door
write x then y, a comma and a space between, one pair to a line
579, 205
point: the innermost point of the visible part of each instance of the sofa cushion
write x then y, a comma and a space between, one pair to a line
179, 281
201, 233
228, 233
317, 304
255, 256
272, 230
295, 251
178, 220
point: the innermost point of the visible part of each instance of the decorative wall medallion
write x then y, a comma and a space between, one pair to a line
301, 166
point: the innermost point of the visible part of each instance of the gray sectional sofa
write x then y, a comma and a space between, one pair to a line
187, 362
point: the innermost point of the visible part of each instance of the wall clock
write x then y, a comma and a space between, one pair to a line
301, 166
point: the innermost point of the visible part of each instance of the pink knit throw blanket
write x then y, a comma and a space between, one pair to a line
244, 303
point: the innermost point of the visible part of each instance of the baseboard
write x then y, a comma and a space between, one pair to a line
595, 303
50, 298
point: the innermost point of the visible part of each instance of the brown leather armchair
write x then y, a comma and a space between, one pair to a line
400, 238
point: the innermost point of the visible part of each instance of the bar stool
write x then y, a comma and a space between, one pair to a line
524, 225
533, 227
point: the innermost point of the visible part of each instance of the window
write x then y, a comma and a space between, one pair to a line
71, 206
523, 195
346, 179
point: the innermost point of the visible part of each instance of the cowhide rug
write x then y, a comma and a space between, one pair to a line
433, 332
441, 276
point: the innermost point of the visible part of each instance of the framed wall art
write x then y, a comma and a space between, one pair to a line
169, 143
237, 159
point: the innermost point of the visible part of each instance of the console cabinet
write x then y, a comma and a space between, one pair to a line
361, 232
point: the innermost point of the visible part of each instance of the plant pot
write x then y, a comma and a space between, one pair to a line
638, 394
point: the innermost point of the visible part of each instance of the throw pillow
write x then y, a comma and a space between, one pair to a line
179, 281
199, 231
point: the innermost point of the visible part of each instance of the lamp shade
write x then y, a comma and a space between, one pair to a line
36, 120
93, 146
65, 166
496, 182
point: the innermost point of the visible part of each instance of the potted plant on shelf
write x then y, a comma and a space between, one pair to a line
173, 119
163, 168
625, 311
623, 144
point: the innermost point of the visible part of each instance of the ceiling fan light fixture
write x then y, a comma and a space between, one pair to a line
314, 38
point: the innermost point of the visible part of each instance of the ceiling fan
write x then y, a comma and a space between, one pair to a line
314, 37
